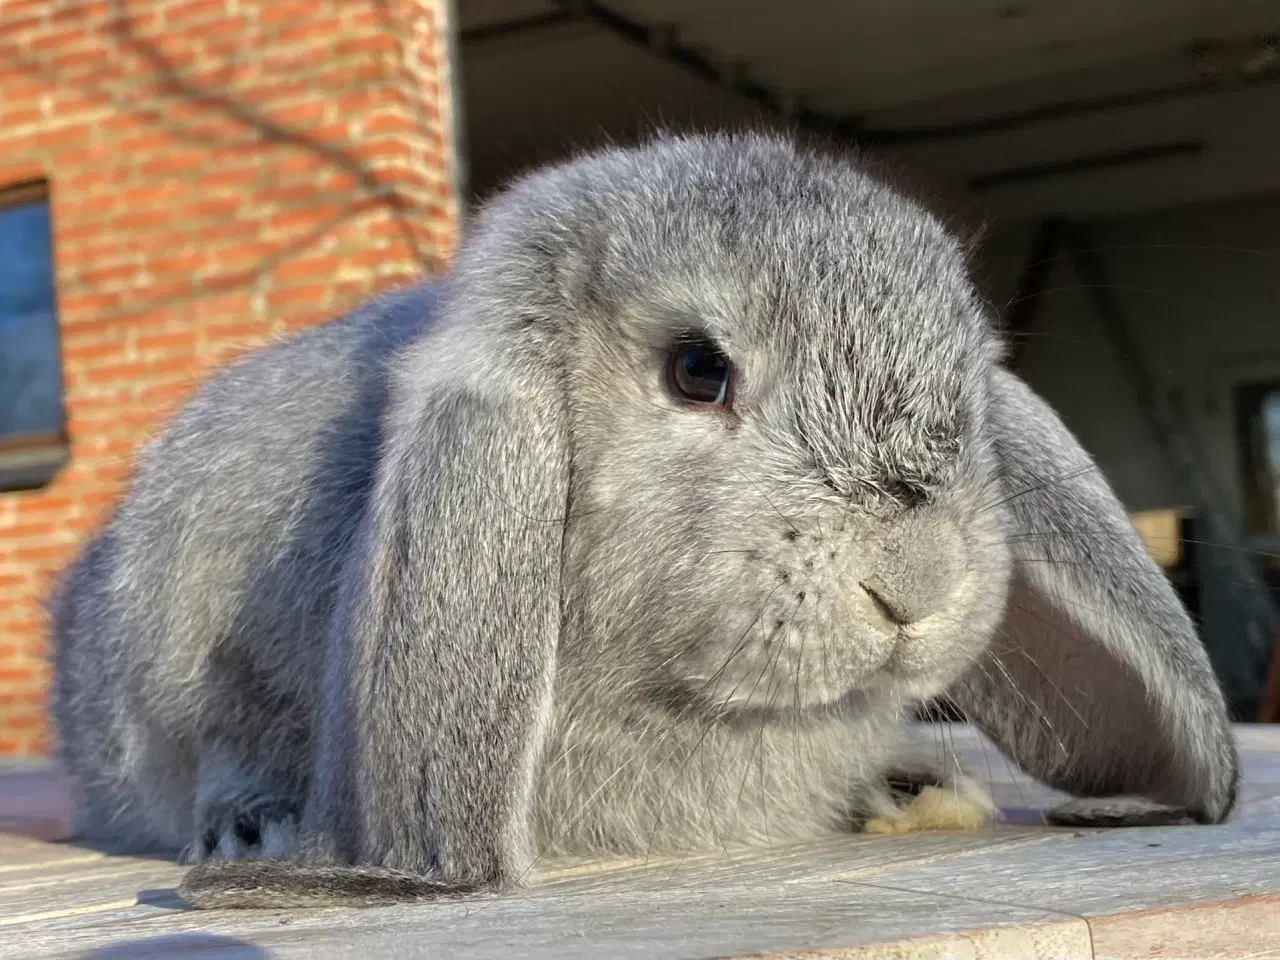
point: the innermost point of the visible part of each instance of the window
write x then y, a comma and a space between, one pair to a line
33, 441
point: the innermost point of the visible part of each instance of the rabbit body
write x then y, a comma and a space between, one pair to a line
467, 577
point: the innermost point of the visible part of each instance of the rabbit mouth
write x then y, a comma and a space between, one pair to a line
836, 653
811, 676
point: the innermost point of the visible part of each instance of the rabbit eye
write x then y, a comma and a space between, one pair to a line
701, 375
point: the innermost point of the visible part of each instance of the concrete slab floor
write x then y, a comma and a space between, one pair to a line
1017, 889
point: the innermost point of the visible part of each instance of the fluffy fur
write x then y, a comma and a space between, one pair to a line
413, 598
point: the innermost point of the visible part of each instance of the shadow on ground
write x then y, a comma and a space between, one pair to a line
195, 945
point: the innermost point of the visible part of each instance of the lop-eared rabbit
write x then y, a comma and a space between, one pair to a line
645, 528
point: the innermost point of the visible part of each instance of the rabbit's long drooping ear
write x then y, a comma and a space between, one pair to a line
439, 699
454, 638
1096, 682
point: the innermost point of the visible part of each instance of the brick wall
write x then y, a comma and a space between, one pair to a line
220, 171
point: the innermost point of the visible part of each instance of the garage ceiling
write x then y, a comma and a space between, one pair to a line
1013, 109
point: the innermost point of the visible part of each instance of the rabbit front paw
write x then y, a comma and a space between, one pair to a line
260, 827
960, 804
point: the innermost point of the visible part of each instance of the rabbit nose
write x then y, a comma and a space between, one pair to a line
897, 608
914, 573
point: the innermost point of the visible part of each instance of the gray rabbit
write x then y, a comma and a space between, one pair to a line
643, 529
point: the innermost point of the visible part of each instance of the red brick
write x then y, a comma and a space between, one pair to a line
390, 123
52, 138
307, 219
140, 218
161, 393
41, 501
130, 122
111, 472
91, 276
90, 353
373, 71
222, 306
283, 11
167, 289
299, 295
75, 61
220, 206
294, 194
389, 148
20, 12
128, 372
88, 302
97, 499
376, 44
308, 268
229, 32
145, 142
367, 99
16, 115
193, 10
29, 699
150, 194
244, 256
27, 531
77, 12
166, 341
337, 133
24, 553
58, 37
233, 177
276, 90
25, 720
223, 332
21, 85
137, 20
303, 114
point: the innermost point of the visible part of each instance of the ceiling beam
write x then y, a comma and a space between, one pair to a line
501, 29
1086, 164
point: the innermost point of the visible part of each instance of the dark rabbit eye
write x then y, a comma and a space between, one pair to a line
701, 375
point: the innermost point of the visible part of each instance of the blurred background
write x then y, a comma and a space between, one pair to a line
182, 179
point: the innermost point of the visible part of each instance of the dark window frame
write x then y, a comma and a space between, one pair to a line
30, 461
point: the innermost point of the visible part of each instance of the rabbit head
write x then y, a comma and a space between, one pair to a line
777, 372
800, 479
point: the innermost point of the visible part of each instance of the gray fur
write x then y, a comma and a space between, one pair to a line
452, 583
1096, 682
1119, 812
